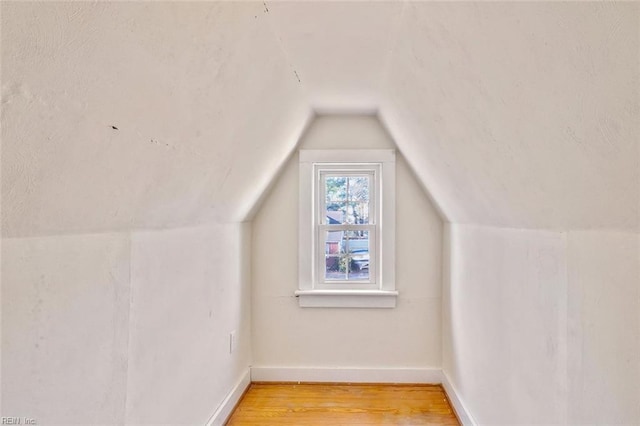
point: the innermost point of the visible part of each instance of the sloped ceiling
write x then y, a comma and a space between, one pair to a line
512, 114
522, 114
204, 99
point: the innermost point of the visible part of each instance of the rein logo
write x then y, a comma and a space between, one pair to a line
17, 421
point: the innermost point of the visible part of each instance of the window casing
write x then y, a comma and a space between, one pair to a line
347, 228
350, 242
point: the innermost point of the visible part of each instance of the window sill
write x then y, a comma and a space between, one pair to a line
346, 298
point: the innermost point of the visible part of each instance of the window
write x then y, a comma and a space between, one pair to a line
347, 228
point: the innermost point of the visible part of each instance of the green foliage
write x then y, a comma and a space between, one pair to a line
344, 262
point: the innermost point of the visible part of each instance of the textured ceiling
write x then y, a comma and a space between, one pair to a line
512, 114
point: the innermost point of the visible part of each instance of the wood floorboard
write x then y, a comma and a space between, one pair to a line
272, 404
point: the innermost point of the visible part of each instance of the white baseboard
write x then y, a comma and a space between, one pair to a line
346, 375
461, 410
226, 408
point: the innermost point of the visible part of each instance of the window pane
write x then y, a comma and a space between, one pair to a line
359, 189
335, 267
347, 199
358, 213
334, 243
336, 213
358, 198
335, 188
358, 252
336, 199
346, 256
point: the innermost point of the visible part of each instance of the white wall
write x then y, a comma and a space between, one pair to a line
604, 327
65, 328
285, 335
546, 323
190, 289
124, 328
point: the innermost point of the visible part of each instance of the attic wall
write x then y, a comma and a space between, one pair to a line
521, 114
140, 115
546, 322
124, 328
285, 335
603, 327
123, 117
65, 328
190, 289
540, 134
511, 114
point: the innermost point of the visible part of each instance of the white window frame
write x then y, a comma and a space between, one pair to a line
377, 292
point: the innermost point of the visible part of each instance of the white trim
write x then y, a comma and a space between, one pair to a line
346, 375
305, 225
320, 173
461, 410
347, 155
387, 225
347, 298
225, 409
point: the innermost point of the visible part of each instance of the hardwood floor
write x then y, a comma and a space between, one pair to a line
271, 404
